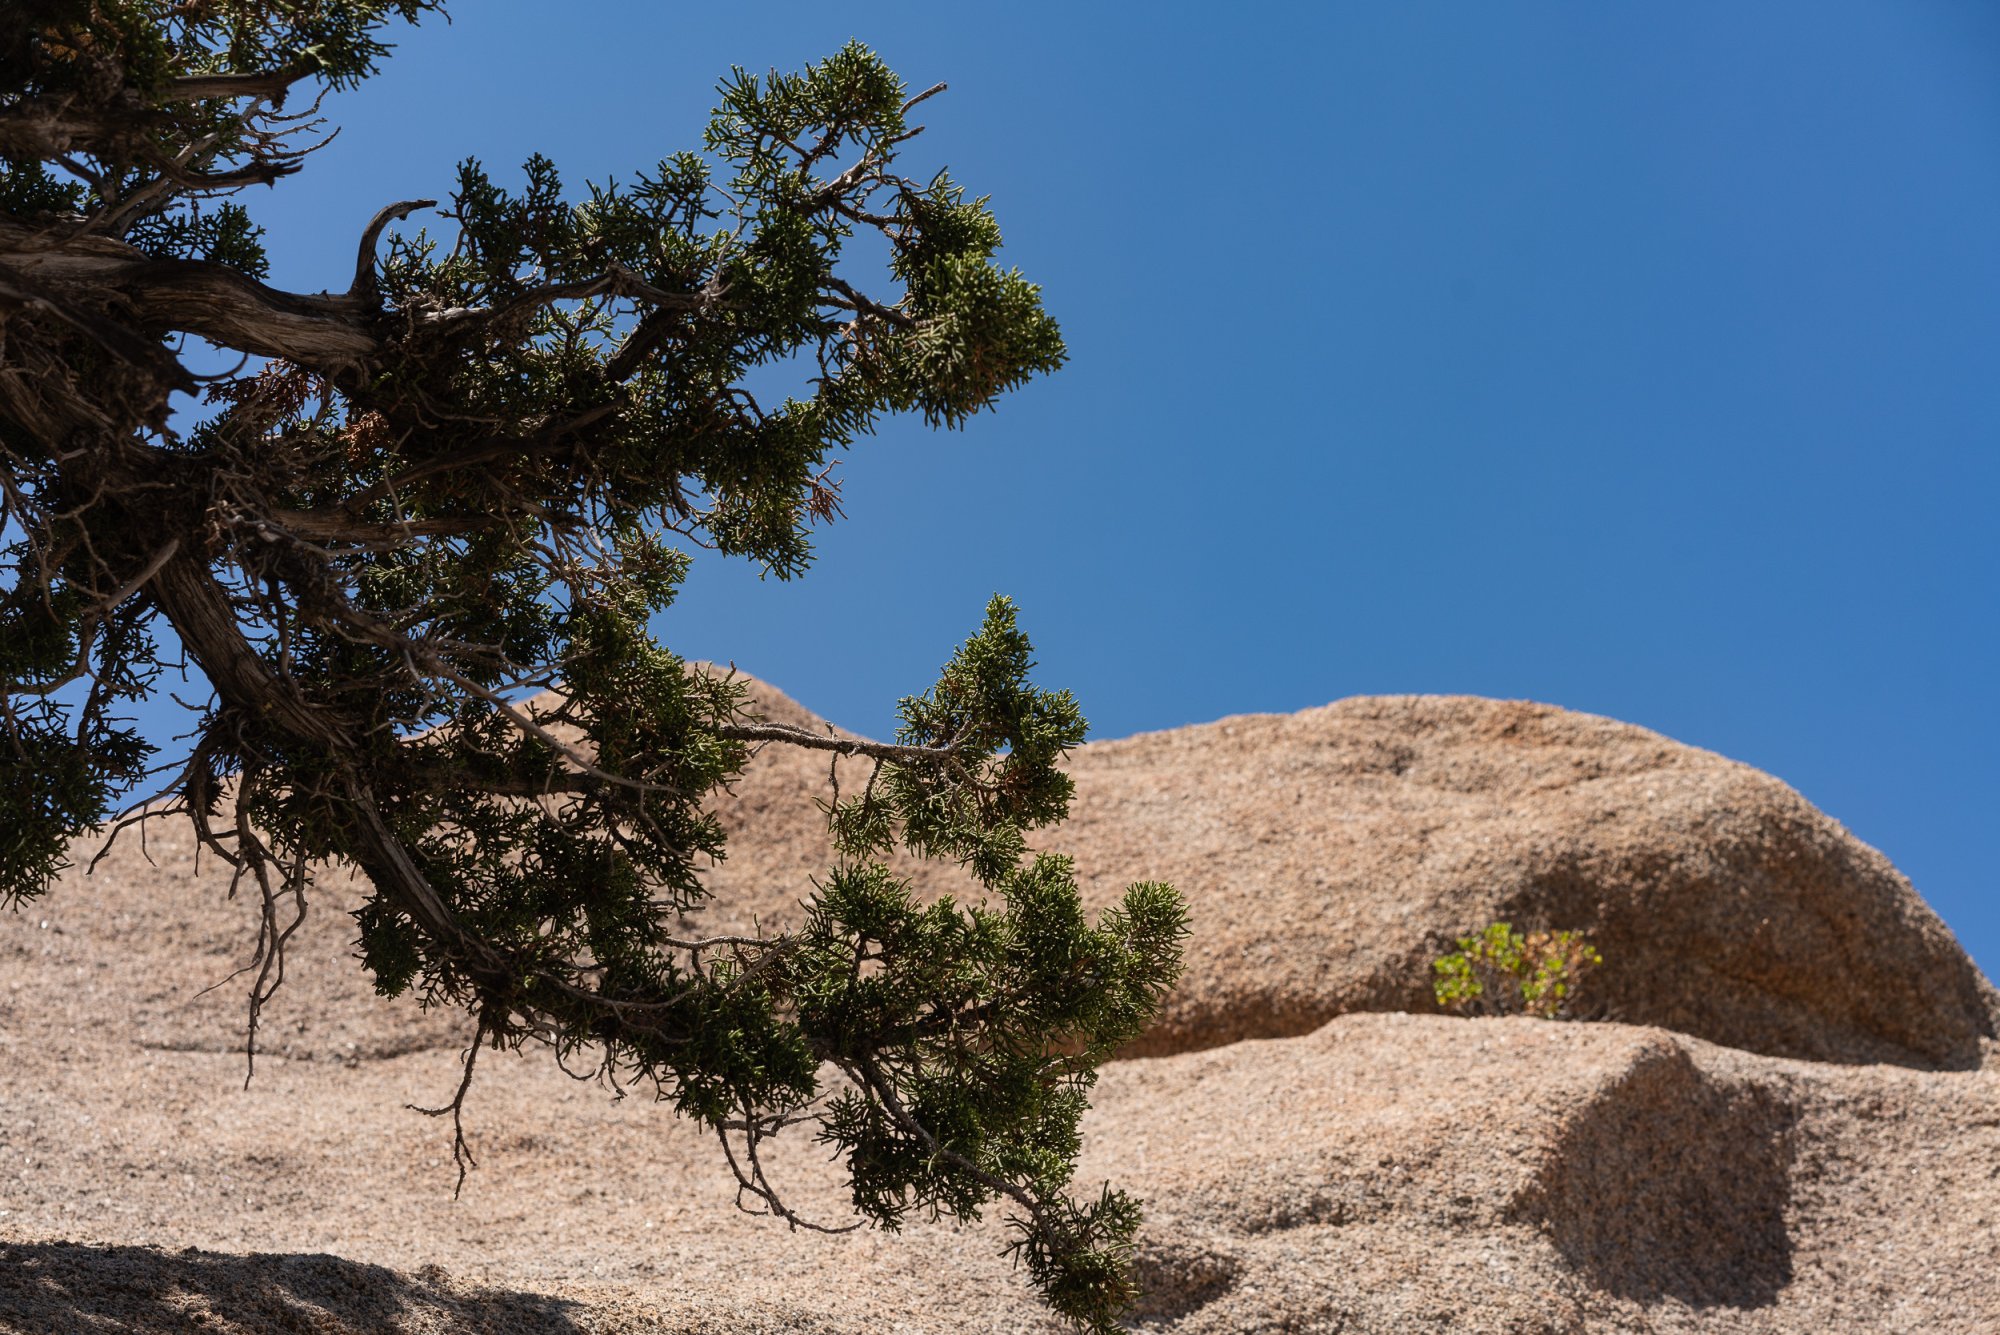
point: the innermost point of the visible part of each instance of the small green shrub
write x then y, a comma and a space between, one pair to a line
1501, 972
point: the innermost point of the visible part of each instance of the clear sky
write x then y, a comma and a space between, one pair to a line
1636, 358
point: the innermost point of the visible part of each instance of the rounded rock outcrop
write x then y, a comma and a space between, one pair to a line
1328, 856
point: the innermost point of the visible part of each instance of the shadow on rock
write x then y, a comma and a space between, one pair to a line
1792, 940
1178, 1278
59, 1287
1673, 1184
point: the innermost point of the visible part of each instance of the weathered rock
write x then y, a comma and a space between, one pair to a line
1383, 1173
158, 928
1328, 856
64, 1286
1400, 1173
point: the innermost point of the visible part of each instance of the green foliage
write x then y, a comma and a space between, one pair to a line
1501, 972
224, 235
982, 707
420, 546
1001, 1014
31, 192
64, 52
66, 756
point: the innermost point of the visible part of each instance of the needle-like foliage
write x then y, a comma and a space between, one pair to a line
476, 473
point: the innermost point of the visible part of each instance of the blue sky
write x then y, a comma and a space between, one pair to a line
1641, 359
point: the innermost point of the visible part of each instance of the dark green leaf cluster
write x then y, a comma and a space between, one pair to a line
982, 709
139, 81
67, 753
971, 1034
81, 48
682, 290
32, 192
223, 234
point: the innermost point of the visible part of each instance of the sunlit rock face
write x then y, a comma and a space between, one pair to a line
1328, 856
1777, 1126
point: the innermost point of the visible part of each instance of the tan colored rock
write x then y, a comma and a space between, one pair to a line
157, 927
1328, 856
1420, 1173
1382, 1173
1385, 1174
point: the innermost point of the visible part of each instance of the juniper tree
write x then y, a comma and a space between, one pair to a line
475, 472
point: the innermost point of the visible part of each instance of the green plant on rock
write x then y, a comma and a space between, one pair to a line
1501, 972
417, 545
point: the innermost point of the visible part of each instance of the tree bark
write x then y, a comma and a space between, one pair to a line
209, 300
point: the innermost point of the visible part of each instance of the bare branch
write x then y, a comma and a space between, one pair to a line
200, 297
924, 96
461, 1151
202, 87
846, 746
363, 285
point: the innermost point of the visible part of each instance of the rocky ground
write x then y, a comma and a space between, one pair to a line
1790, 1123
